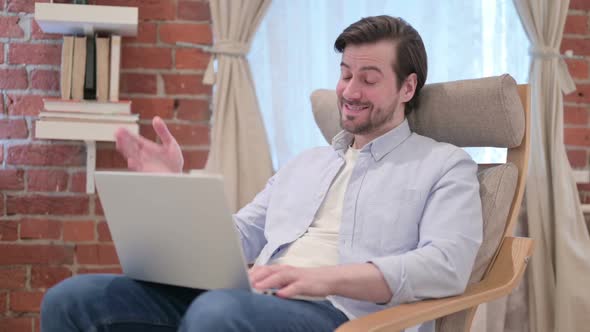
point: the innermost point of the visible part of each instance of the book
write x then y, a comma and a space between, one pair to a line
79, 68
81, 130
87, 106
67, 62
90, 116
90, 76
115, 68
102, 68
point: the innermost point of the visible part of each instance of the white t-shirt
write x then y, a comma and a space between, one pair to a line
318, 246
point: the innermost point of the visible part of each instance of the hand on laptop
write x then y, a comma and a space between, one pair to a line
363, 281
144, 155
292, 281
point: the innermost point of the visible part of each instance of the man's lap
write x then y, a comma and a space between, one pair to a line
101, 299
113, 302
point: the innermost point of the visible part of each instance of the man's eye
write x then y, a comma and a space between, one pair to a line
346, 78
368, 82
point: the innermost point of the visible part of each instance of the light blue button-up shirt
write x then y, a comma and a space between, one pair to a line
412, 208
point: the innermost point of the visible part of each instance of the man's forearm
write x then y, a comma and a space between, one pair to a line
359, 281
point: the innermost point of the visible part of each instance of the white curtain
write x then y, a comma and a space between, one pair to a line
239, 149
560, 268
292, 54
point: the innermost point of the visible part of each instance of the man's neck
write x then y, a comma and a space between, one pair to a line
360, 140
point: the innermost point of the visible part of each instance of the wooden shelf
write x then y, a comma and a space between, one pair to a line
88, 121
89, 132
70, 19
80, 130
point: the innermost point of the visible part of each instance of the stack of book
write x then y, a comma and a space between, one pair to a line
89, 107
86, 120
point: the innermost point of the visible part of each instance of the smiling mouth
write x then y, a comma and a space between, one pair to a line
354, 108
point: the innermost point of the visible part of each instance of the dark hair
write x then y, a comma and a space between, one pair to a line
411, 54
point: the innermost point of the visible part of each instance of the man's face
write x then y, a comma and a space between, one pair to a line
368, 96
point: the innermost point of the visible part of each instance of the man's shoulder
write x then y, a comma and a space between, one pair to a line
433, 149
319, 152
425, 142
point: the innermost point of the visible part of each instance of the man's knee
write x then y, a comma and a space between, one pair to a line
71, 298
71, 291
219, 310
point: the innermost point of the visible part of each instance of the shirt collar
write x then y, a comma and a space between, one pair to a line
378, 147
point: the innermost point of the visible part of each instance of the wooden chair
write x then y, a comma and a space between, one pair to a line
483, 112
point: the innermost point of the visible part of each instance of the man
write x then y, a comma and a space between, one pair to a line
383, 216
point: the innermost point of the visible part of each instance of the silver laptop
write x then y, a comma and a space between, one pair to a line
173, 228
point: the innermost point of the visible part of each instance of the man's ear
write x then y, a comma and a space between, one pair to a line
409, 87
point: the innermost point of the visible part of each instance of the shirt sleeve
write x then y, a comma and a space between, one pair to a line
250, 222
450, 235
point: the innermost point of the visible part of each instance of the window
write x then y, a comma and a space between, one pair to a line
292, 54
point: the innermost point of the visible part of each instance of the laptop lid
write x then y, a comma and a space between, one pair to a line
173, 228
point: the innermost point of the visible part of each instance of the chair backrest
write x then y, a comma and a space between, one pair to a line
486, 112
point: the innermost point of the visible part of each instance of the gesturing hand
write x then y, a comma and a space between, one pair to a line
144, 155
292, 281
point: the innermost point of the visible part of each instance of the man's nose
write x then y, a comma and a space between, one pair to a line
352, 91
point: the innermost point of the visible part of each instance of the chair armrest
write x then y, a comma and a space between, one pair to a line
504, 275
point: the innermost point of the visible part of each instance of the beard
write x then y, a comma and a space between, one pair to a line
377, 118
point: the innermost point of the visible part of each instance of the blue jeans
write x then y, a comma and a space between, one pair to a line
117, 303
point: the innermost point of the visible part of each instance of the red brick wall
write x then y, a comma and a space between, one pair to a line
577, 104
49, 228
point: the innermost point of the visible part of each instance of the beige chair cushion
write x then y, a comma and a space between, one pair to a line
497, 189
497, 186
467, 113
